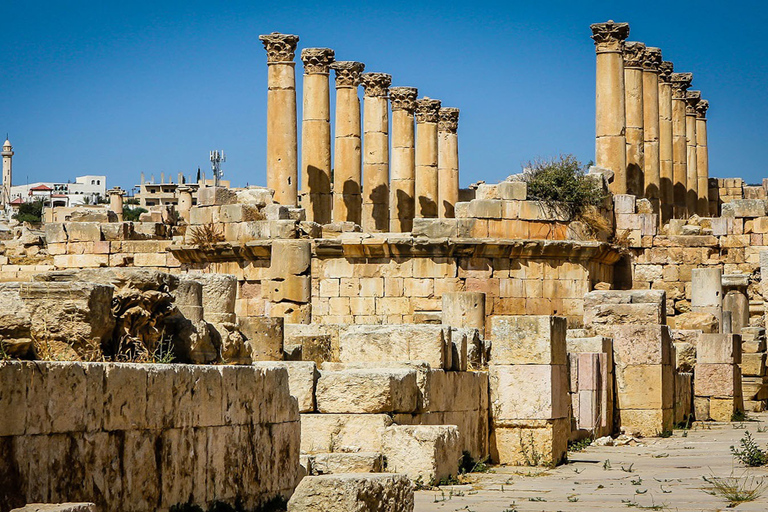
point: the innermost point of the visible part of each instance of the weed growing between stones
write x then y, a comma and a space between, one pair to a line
467, 464
749, 453
206, 236
580, 445
736, 490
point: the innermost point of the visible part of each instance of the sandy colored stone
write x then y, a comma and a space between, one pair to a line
426, 453
353, 492
367, 391
753, 364
336, 463
645, 386
302, 378
720, 380
646, 423
641, 344
342, 432
718, 348
392, 343
528, 340
539, 443
698, 320
528, 392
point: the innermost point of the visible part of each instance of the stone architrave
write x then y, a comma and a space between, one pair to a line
702, 157
692, 98
376, 152
680, 83
315, 194
610, 117
402, 184
651, 62
448, 161
347, 171
666, 191
634, 55
427, 187
282, 139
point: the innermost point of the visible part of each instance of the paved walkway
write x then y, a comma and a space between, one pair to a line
658, 474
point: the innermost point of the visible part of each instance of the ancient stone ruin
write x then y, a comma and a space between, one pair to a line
353, 331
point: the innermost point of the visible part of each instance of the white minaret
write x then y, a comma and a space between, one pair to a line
7, 171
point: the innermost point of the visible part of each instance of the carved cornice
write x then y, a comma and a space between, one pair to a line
652, 59
376, 84
403, 98
701, 109
634, 54
280, 47
666, 68
427, 110
609, 36
448, 120
317, 61
692, 99
680, 83
348, 72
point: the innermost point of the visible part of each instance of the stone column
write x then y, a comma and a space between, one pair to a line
447, 161
707, 292
692, 175
702, 157
282, 143
736, 300
376, 152
185, 202
403, 177
651, 62
610, 117
667, 193
427, 187
680, 82
315, 194
116, 202
634, 54
347, 166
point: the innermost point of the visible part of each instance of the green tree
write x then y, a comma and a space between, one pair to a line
30, 212
131, 214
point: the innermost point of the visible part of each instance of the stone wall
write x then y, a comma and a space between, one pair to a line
146, 437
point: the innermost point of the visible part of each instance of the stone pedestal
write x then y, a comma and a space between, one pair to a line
692, 175
376, 152
448, 161
634, 54
702, 158
610, 118
402, 184
282, 143
315, 194
707, 292
651, 62
116, 202
427, 187
666, 188
347, 173
736, 300
680, 83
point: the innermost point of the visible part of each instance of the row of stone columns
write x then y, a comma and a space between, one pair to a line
364, 187
649, 129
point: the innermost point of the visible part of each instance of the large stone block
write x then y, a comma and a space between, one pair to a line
367, 391
645, 386
264, 337
426, 453
720, 380
534, 443
521, 392
625, 307
641, 344
302, 379
753, 364
83, 231
718, 348
528, 340
338, 463
645, 422
392, 343
749, 208
14, 377
683, 397
289, 257
342, 432
357, 492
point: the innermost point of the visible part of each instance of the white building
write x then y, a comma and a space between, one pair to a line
85, 190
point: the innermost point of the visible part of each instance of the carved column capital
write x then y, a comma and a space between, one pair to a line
652, 59
427, 110
280, 47
609, 36
701, 109
634, 54
692, 99
680, 83
317, 61
666, 68
348, 72
403, 98
376, 84
448, 120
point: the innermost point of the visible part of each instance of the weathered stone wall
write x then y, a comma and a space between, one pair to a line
146, 437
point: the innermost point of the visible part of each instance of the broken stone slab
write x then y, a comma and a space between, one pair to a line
367, 391
425, 453
343, 432
698, 320
263, 337
625, 307
57, 507
353, 492
528, 340
338, 463
393, 343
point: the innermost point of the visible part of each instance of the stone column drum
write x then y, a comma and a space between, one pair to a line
347, 168
376, 152
736, 300
692, 175
402, 184
651, 62
185, 202
116, 202
702, 157
666, 191
427, 187
610, 117
447, 161
315, 194
634, 54
680, 83
282, 143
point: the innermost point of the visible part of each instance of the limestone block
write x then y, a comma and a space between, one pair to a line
339, 463
720, 380
362, 492
302, 379
591, 344
625, 306
291, 288
753, 364
718, 348
520, 392
528, 340
749, 208
645, 386
512, 190
646, 423
367, 391
722, 409
289, 257
239, 213
14, 377
426, 453
291, 312
55, 233
752, 347
623, 204
698, 320
685, 356
641, 344
317, 347
125, 397
683, 397
466, 341
701, 408
392, 343
57, 507
485, 209
207, 196
83, 231
534, 443
218, 295
343, 432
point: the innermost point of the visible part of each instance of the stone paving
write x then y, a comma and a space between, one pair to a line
656, 474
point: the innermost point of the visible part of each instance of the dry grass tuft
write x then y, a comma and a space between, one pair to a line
206, 235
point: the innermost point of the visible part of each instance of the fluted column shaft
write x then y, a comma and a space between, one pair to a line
634, 53
427, 187
448, 161
680, 82
282, 142
667, 193
376, 152
402, 184
610, 117
651, 61
702, 157
315, 194
692, 174
347, 169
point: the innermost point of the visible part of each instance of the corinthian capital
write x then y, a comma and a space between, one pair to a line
427, 110
609, 36
448, 120
665, 71
701, 109
680, 83
634, 53
348, 72
403, 98
317, 60
692, 99
652, 59
280, 47
376, 84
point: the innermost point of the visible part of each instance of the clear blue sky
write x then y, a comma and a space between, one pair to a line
116, 88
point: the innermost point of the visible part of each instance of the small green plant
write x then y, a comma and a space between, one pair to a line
580, 445
749, 453
132, 214
739, 416
573, 498
638, 481
665, 434
736, 490
467, 464
529, 452
607, 465
627, 469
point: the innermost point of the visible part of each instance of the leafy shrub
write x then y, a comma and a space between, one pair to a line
132, 214
750, 454
30, 212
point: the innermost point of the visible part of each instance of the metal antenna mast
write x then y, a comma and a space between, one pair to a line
217, 158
